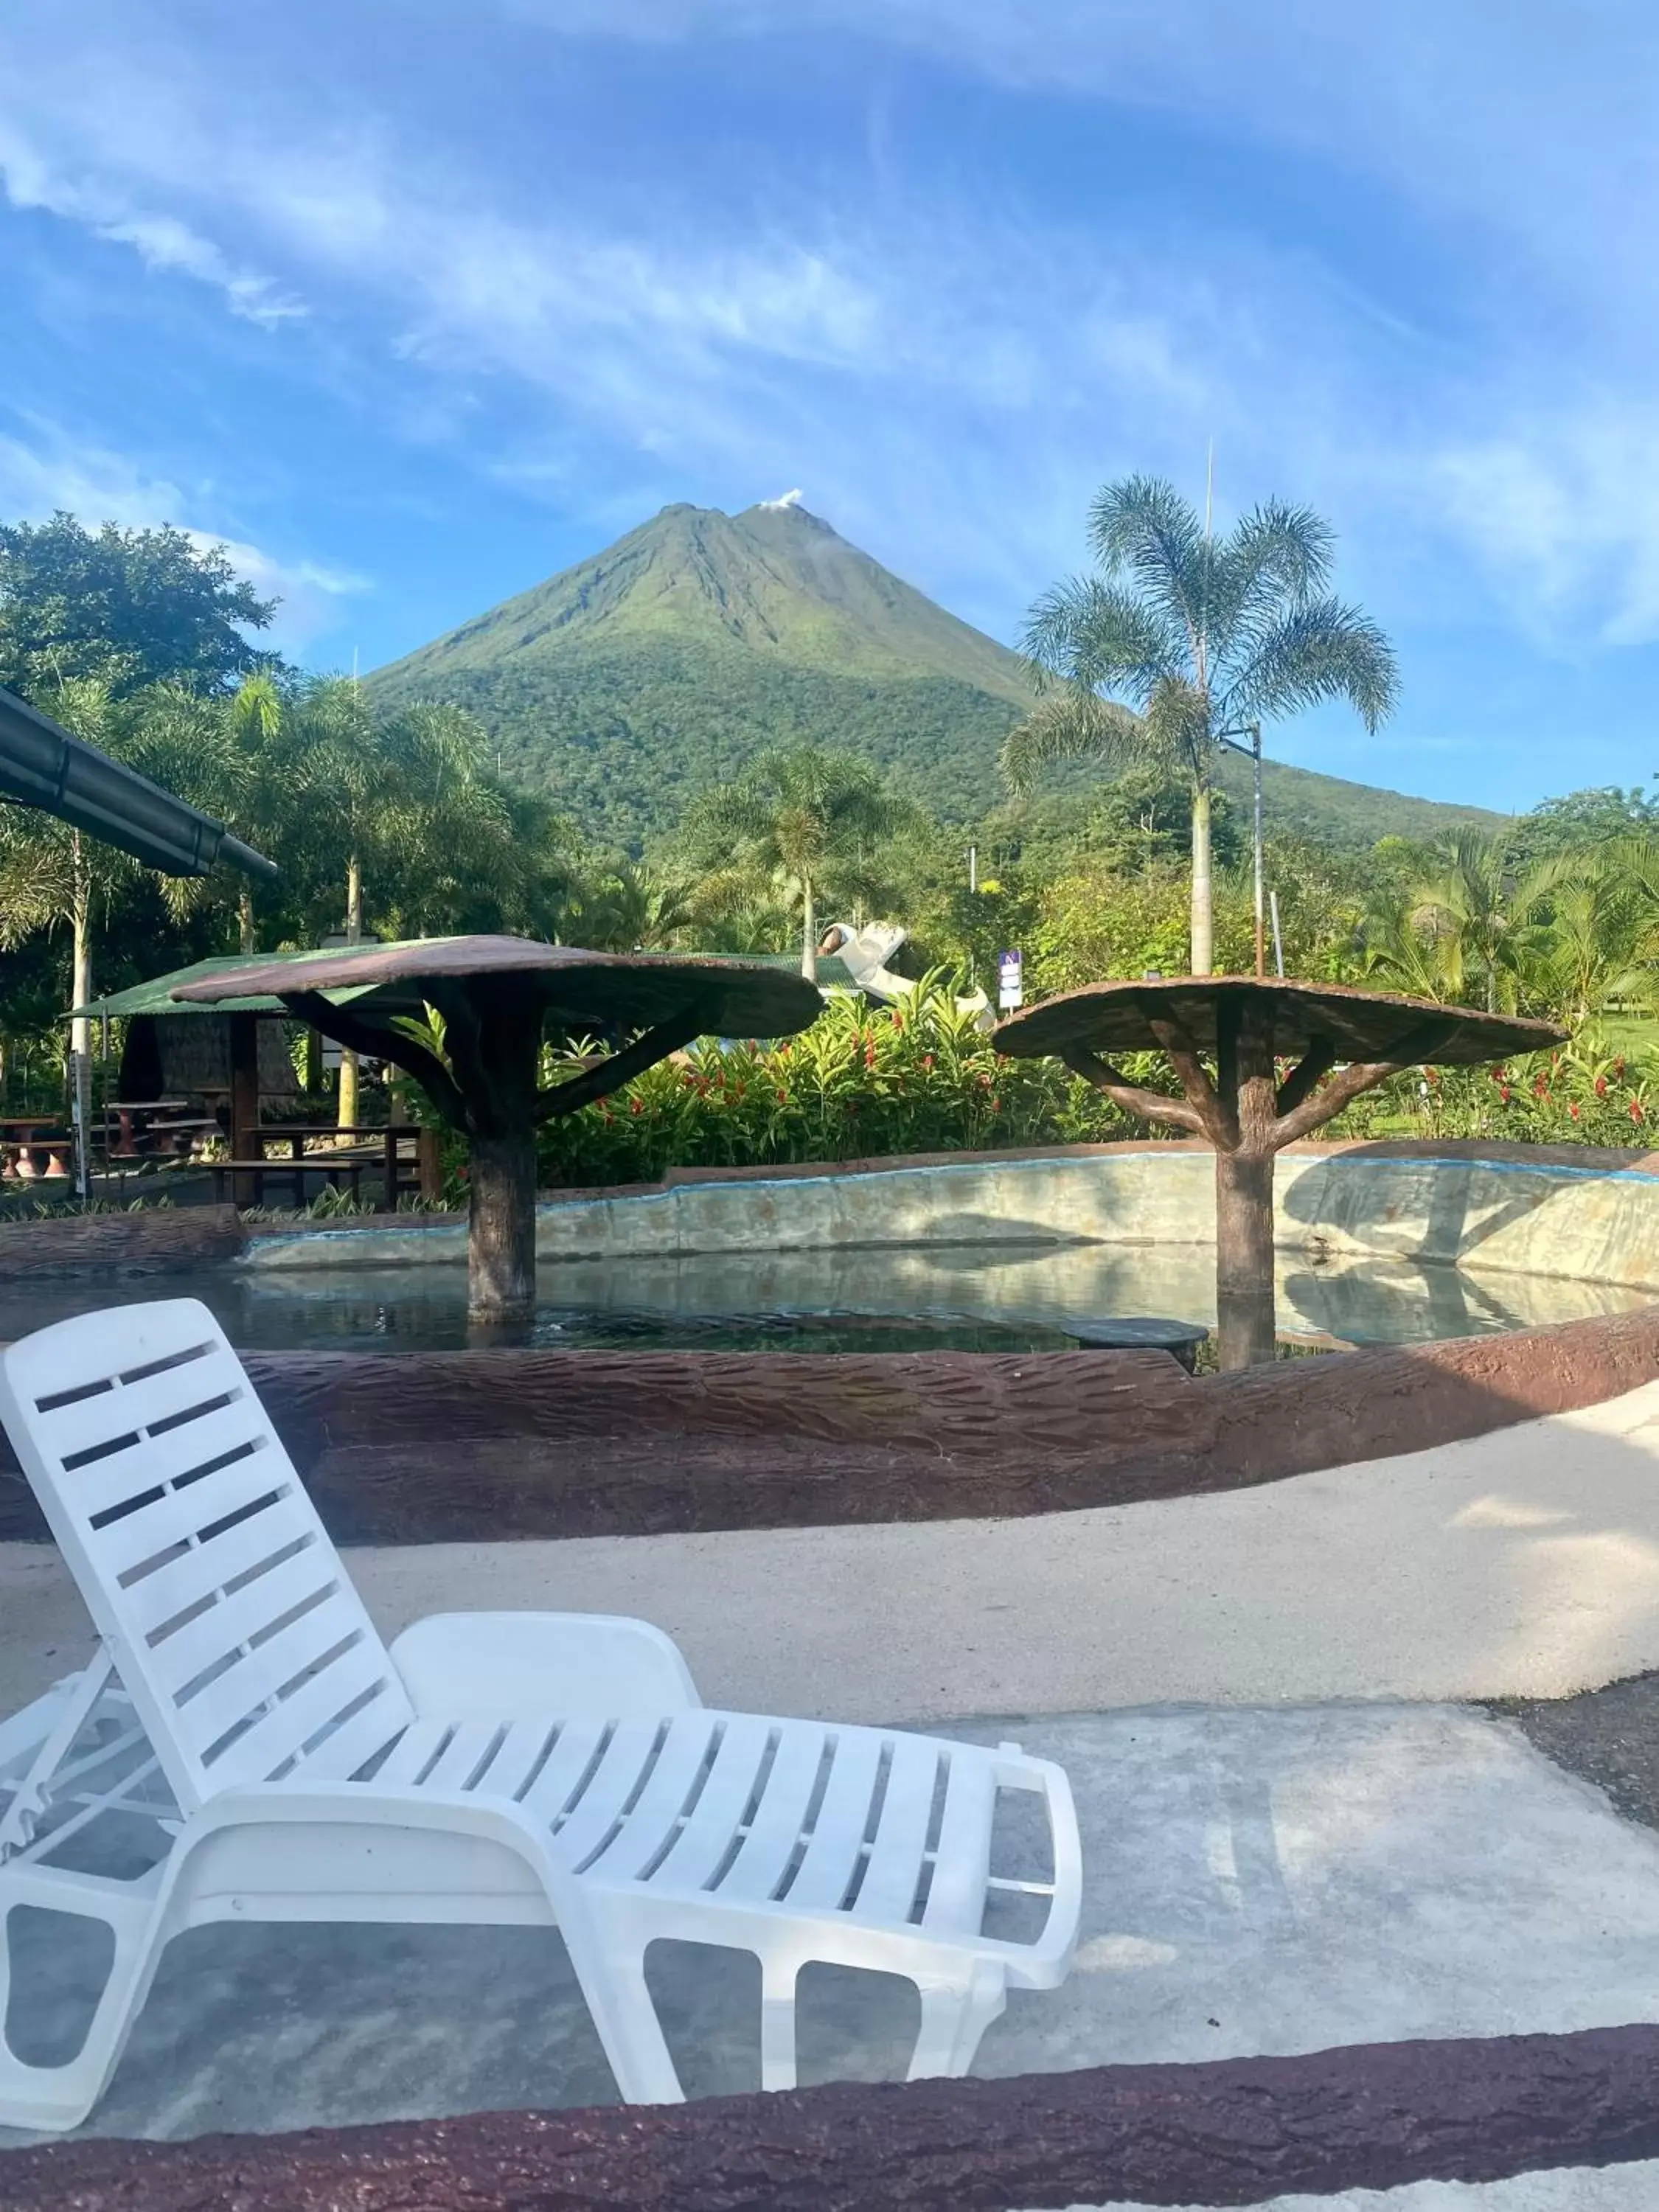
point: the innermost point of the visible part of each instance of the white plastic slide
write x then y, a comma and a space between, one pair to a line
489, 1768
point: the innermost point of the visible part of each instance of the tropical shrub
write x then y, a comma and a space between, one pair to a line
922, 1079
858, 1085
1575, 1096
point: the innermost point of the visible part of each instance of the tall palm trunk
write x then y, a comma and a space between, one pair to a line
809, 940
81, 923
1203, 899
247, 936
348, 1113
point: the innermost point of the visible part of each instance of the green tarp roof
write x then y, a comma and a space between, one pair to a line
155, 997
834, 974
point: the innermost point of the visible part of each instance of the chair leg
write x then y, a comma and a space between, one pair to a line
612, 1979
56, 2098
954, 2017
778, 1981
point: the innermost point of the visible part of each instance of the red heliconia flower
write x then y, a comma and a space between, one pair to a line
1573, 1109
1541, 1088
1636, 1113
783, 1098
1601, 1086
1505, 1093
927, 1060
1619, 1068
636, 1105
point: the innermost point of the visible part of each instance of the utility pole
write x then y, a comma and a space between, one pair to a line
1230, 739
973, 867
1261, 938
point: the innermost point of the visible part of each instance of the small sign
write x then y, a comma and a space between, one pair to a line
1010, 984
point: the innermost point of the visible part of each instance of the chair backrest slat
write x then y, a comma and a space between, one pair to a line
228, 1611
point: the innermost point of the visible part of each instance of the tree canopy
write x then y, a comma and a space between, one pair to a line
128, 607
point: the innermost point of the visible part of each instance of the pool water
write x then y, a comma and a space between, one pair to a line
895, 1298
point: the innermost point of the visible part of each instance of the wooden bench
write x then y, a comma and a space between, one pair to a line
344, 1169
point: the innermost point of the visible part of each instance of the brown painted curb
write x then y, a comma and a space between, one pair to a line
476, 1446
1234, 2131
152, 1242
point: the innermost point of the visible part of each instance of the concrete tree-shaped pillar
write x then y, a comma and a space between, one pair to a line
479, 1062
1227, 1038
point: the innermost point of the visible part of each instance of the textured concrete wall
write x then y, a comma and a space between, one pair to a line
1596, 1222
460, 1447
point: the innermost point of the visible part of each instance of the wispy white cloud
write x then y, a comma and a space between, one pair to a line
1564, 512
47, 470
162, 242
952, 375
1532, 121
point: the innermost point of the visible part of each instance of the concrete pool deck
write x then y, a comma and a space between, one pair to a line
1525, 1563
1269, 1868
1256, 1882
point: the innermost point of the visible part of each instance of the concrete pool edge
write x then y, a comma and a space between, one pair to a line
1498, 1209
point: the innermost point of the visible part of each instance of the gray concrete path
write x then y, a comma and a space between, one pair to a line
1632, 2187
1522, 1564
1257, 1881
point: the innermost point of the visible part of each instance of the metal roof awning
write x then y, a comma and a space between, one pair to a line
43, 764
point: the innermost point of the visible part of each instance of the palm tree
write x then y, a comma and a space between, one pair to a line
404, 800
810, 821
1182, 638
1467, 909
1590, 930
626, 907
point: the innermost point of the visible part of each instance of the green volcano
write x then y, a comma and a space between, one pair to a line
623, 686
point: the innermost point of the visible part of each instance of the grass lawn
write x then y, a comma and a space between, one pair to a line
1635, 1035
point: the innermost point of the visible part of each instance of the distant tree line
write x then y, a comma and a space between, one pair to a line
398, 818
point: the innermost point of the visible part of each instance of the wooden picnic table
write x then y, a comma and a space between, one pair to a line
344, 1164
24, 1135
247, 1177
147, 1125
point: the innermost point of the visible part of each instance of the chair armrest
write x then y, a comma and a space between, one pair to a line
493, 1666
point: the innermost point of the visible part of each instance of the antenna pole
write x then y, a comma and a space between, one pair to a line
1260, 943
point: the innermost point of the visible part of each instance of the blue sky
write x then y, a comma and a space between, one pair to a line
415, 301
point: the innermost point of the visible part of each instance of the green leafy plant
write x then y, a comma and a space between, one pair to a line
921, 1078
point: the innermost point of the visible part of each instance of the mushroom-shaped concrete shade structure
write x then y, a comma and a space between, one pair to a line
1340, 1040
496, 997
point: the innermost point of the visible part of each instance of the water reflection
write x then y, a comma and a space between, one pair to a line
979, 1297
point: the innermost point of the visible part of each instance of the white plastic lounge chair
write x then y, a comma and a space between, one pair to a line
490, 1768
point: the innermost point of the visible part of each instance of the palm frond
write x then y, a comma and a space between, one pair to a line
1178, 728
1099, 637
1276, 557
1071, 726
1322, 650
1142, 526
